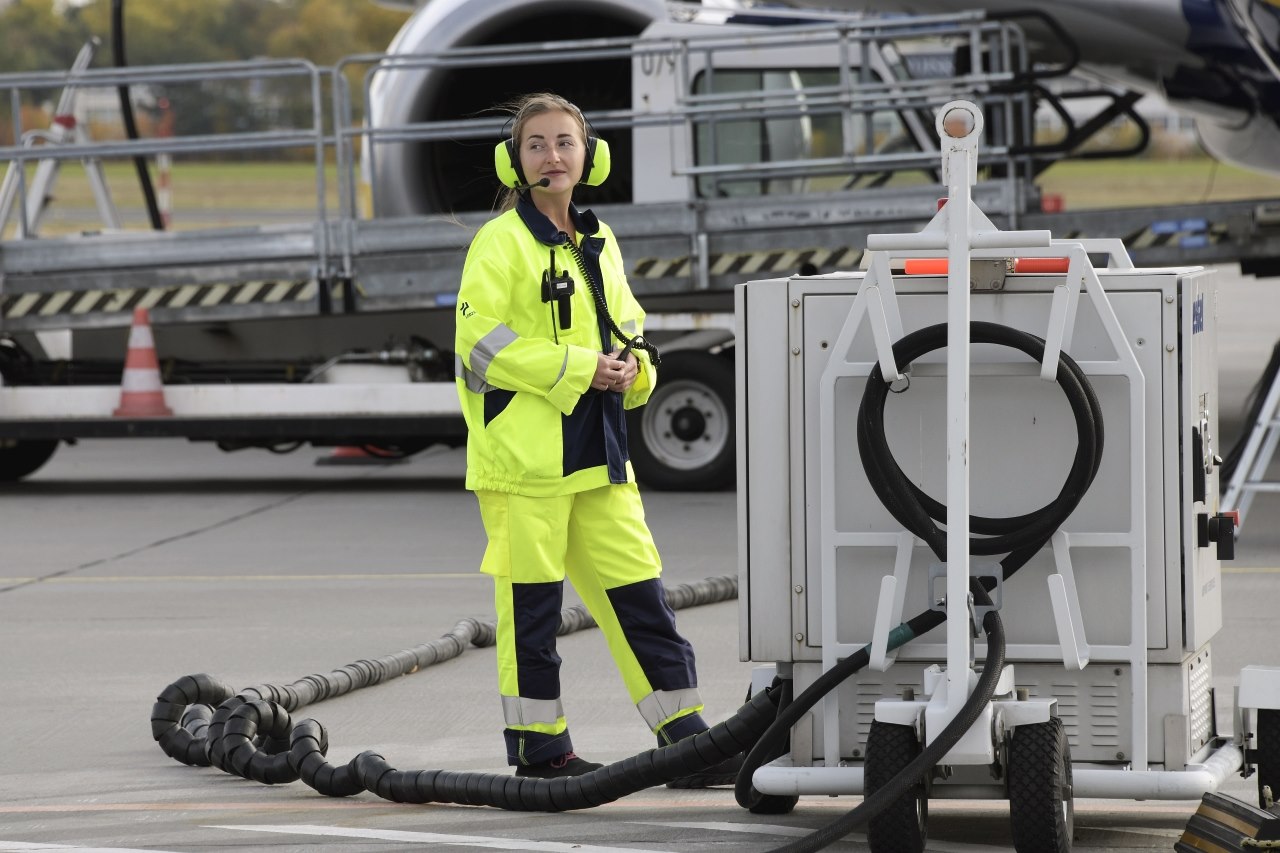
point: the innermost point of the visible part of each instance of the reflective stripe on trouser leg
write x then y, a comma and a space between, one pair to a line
614, 566
525, 557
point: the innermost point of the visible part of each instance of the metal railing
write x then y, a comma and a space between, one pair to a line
868, 85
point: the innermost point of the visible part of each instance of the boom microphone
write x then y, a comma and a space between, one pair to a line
544, 182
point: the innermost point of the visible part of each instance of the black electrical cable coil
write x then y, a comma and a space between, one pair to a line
1022, 537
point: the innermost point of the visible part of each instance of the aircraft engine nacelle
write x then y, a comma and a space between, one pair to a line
411, 178
1252, 144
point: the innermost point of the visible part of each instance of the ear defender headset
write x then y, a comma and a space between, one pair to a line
595, 166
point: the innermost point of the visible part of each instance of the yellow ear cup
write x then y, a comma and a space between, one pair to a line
596, 169
506, 164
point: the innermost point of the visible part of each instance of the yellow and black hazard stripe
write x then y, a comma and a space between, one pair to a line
87, 302
1161, 234
751, 263
1176, 234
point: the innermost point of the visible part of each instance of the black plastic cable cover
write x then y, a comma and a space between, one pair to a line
369, 771
201, 721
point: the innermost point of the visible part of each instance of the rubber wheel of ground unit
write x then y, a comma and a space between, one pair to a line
904, 826
1041, 800
19, 458
1267, 756
683, 439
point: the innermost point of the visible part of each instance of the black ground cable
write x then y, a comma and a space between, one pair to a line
922, 764
201, 721
907, 504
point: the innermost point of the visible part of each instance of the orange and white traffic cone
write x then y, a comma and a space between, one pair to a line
349, 454
141, 392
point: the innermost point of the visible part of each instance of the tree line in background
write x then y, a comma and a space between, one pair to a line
46, 35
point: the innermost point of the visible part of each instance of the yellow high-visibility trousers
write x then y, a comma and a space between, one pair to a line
599, 539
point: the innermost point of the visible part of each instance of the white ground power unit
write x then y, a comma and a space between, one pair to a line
1107, 627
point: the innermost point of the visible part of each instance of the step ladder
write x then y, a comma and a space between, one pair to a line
64, 130
1248, 478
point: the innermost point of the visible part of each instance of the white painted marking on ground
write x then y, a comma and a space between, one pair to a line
16, 846
796, 832
726, 826
435, 838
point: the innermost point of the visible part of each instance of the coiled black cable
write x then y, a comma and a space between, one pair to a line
602, 309
1022, 536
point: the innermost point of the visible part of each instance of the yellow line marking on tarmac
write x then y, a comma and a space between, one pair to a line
385, 576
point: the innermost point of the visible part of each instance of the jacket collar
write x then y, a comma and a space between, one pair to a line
541, 227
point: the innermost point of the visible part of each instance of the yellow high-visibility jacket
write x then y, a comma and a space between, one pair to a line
534, 425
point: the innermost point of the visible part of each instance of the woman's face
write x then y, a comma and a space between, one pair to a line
552, 148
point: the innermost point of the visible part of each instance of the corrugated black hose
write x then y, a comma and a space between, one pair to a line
201, 721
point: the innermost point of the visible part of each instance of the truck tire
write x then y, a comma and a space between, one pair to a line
18, 458
683, 439
903, 827
1041, 803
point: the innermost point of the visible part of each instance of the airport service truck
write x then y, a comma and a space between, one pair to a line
745, 146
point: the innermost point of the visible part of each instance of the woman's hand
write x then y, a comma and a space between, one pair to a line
612, 374
630, 370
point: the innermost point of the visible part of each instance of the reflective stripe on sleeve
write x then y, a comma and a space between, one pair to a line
483, 353
564, 366
662, 705
474, 383
518, 711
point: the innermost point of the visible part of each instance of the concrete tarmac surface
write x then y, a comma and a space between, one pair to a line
131, 563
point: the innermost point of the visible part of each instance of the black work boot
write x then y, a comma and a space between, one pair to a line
565, 765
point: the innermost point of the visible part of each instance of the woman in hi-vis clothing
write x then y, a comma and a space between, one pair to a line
549, 356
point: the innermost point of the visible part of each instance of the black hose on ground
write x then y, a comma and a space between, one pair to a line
201, 721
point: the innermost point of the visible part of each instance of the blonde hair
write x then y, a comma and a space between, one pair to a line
525, 108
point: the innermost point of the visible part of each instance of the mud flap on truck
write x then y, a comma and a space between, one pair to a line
684, 438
